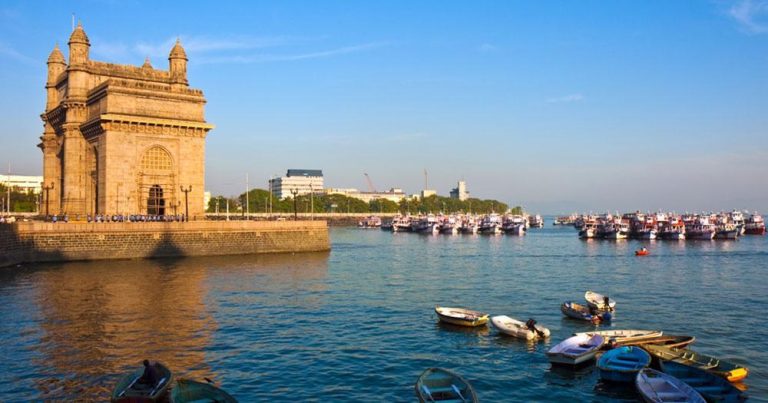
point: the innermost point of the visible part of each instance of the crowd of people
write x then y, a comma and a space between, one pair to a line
103, 218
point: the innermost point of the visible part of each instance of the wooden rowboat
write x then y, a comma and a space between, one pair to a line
188, 391
668, 340
626, 336
442, 385
598, 301
710, 386
724, 369
658, 387
623, 363
516, 328
461, 316
131, 389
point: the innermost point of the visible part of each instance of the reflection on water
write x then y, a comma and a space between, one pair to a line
99, 319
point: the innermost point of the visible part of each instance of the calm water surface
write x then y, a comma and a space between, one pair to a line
358, 324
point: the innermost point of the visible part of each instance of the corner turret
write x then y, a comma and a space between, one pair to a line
78, 46
56, 66
177, 61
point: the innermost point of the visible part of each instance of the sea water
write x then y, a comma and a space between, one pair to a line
358, 323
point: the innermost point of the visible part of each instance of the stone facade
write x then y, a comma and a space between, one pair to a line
29, 242
121, 139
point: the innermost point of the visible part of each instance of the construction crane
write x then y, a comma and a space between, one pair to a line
370, 184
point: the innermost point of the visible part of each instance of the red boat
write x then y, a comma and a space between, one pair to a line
754, 225
642, 252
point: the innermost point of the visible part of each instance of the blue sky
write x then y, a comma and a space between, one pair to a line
554, 105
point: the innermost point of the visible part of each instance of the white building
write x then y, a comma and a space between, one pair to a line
300, 181
460, 191
23, 183
394, 195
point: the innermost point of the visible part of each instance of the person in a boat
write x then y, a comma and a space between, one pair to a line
150, 375
606, 302
644, 249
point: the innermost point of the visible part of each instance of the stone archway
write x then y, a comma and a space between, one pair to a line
157, 181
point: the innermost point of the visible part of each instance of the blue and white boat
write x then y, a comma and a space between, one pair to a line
658, 387
576, 350
710, 386
623, 363
582, 312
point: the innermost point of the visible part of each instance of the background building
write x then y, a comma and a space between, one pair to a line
302, 181
122, 139
394, 195
22, 183
460, 191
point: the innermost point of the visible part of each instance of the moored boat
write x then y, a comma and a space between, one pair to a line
133, 387
442, 385
576, 349
189, 391
599, 301
625, 337
658, 387
754, 225
461, 316
623, 363
724, 369
582, 312
710, 386
513, 327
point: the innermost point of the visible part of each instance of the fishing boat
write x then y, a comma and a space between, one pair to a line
599, 301
131, 389
725, 369
516, 328
710, 386
625, 337
701, 229
658, 387
188, 391
461, 316
370, 222
754, 225
490, 224
588, 230
582, 312
623, 363
642, 252
442, 385
576, 349
727, 231
673, 230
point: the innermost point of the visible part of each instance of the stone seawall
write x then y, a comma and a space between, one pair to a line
27, 242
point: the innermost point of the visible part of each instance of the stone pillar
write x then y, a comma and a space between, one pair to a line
51, 172
74, 171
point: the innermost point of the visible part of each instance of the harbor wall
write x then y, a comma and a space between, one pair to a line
27, 242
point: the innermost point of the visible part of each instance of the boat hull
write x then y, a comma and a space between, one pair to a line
188, 391
656, 387
711, 387
516, 328
575, 350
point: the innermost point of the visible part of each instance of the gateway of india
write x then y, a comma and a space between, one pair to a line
121, 139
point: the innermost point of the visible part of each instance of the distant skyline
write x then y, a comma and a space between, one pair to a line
557, 106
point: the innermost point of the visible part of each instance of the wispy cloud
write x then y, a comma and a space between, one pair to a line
752, 15
486, 48
6, 51
566, 98
267, 58
233, 49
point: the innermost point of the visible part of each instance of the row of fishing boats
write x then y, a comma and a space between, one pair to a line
154, 382
669, 226
661, 366
492, 224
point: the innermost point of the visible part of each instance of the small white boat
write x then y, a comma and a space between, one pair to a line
576, 350
624, 336
516, 328
461, 316
599, 301
658, 387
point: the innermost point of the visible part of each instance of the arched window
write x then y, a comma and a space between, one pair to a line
156, 159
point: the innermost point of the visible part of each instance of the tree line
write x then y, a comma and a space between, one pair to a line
258, 201
21, 201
